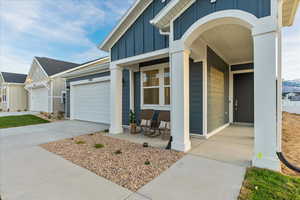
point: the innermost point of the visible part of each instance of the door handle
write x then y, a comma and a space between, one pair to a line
236, 104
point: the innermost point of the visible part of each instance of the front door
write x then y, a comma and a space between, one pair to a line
243, 108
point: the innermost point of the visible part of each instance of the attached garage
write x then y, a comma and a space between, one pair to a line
39, 99
90, 100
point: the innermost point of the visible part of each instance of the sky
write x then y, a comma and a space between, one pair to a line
71, 30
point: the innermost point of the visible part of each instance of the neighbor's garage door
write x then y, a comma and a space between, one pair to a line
39, 99
90, 102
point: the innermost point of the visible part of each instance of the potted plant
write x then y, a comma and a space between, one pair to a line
133, 125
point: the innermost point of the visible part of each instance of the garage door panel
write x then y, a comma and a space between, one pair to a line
39, 99
91, 102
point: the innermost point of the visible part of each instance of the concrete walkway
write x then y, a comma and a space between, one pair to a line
195, 178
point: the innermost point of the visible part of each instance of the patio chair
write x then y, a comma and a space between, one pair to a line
163, 126
146, 120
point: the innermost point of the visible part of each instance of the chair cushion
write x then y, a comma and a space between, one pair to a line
145, 122
164, 125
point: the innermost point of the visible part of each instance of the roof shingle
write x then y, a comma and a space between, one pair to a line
52, 66
13, 77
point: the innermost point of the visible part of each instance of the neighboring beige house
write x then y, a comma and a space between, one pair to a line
13, 96
46, 89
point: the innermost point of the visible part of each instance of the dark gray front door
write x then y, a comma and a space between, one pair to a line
243, 108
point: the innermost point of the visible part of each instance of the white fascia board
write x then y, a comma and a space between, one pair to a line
104, 45
162, 20
164, 12
143, 57
2, 77
94, 80
106, 59
35, 59
95, 69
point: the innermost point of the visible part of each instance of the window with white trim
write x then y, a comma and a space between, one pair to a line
155, 86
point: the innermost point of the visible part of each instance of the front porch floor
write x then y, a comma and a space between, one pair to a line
233, 145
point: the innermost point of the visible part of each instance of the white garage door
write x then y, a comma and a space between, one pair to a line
39, 99
90, 102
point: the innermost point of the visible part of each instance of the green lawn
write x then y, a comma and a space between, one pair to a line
22, 120
261, 184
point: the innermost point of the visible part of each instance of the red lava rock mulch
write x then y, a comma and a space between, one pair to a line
119, 161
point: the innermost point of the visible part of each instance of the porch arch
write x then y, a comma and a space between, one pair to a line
210, 21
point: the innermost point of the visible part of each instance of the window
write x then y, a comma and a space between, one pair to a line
4, 95
167, 89
156, 86
151, 87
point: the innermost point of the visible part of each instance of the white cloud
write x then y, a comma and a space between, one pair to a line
55, 28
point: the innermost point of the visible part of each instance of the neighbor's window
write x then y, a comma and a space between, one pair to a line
156, 85
4, 95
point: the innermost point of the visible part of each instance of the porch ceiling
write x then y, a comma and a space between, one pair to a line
232, 42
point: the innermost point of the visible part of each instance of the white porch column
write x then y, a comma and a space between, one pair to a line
116, 78
266, 64
180, 117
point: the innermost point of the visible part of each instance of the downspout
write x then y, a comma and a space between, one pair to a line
163, 33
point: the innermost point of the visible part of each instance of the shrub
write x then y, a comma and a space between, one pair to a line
80, 142
1, 110
118, 152
106, 131
99, 146
25, 110
147, 162
19, 110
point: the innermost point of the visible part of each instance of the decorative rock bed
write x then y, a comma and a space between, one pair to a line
127, 164
291, 141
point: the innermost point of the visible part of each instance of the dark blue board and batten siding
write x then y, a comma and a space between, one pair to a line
201, 8
126, 97
142, 37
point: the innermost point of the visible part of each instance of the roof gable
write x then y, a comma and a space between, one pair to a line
13, 77
126, 22
52, 66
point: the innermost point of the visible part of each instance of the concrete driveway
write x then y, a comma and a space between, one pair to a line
28, 172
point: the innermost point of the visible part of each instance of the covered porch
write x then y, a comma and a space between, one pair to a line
201, 67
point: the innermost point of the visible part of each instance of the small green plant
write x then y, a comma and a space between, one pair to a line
106, 131
19, 110
80, 142
118, 152
99, 146
132, 117
147, 162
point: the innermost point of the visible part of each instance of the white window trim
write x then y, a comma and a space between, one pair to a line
161, 105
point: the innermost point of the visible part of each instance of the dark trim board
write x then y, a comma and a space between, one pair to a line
154, 62
242, 67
